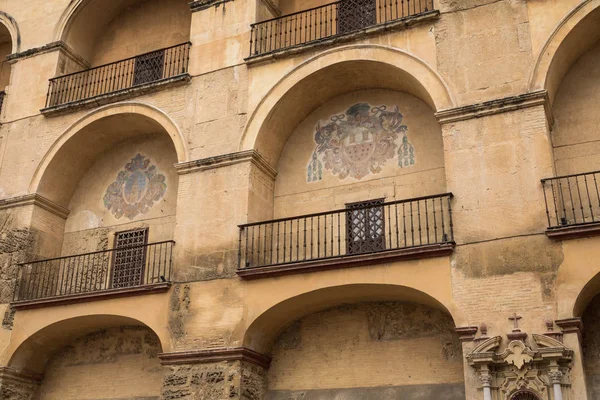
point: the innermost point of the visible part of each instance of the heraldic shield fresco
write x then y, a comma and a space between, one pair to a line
137, 187
360, 142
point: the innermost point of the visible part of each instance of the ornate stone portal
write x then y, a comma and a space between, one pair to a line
520, 371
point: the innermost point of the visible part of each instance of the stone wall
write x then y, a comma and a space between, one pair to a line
225, 380
403, 350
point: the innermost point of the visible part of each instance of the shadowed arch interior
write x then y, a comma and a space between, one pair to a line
94, 21
35, 352
265, 329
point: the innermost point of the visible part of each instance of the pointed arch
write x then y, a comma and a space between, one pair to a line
13, 29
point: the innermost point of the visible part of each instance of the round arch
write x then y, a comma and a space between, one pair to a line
263, 330
82, 139
33, 352
572, 36
317, 80
13, 29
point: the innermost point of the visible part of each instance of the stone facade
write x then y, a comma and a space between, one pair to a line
179, 148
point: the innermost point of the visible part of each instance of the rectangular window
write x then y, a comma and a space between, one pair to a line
149, 67
365, 227
129, 258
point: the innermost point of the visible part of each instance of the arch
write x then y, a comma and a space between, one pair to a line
13, 29
74, 27
33, 353
571, 37
524, 395
150, 117
264, 329
365, 65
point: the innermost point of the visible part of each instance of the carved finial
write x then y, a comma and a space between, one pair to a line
483, 328
549, 324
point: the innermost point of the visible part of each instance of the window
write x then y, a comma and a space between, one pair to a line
524, 395
365, 227
129, 258
354, 15
149, 67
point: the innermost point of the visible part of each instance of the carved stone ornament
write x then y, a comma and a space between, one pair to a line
521, 367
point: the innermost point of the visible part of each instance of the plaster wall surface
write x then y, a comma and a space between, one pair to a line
347, 347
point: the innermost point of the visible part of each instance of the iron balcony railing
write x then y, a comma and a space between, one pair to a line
95, 272
328, 21
358, 229
572, 199
125, 74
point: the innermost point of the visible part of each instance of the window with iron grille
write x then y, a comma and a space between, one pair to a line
524, 395
365, 227
354, 15
149, 67
129, 258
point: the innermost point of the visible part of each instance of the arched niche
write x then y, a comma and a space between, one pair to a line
333, 73
331, 341
35, 351
102, 32
88, 168
572, 37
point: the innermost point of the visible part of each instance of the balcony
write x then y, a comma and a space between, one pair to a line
572, 205
115, 81
333, 21
362, 233
92, 276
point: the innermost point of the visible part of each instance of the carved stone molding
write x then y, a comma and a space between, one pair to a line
47, 48
226, 160
571, 325
506, 104
36, 200
8, 374
200, 5
466, 333
215, 355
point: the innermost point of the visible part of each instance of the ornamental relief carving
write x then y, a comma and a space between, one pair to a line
522, 370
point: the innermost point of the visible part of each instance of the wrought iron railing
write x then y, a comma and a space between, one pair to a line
125, 74
358, 229
328, 21
572, 199
94, 272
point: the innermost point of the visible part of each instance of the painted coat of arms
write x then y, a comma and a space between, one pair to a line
137, 187
359, 142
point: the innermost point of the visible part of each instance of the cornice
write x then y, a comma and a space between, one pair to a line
497, 106
47, 48
215, 355
35, 200
571, 325
226, 160
8, 374
466, 333
200, 5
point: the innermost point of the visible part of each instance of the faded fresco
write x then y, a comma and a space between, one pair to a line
137, 187
360, 142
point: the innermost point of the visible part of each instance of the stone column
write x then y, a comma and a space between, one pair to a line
486, 382
17, 385
236, 374
555, 377
466, 335
572, 329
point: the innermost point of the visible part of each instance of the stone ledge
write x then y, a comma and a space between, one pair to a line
426, 251
91, 296
214, 356
36, 200
118, 95
574, 231
403, 23
53, 46
497, 106
466, 333
226, 160
8, 374
200, 5
571, 325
